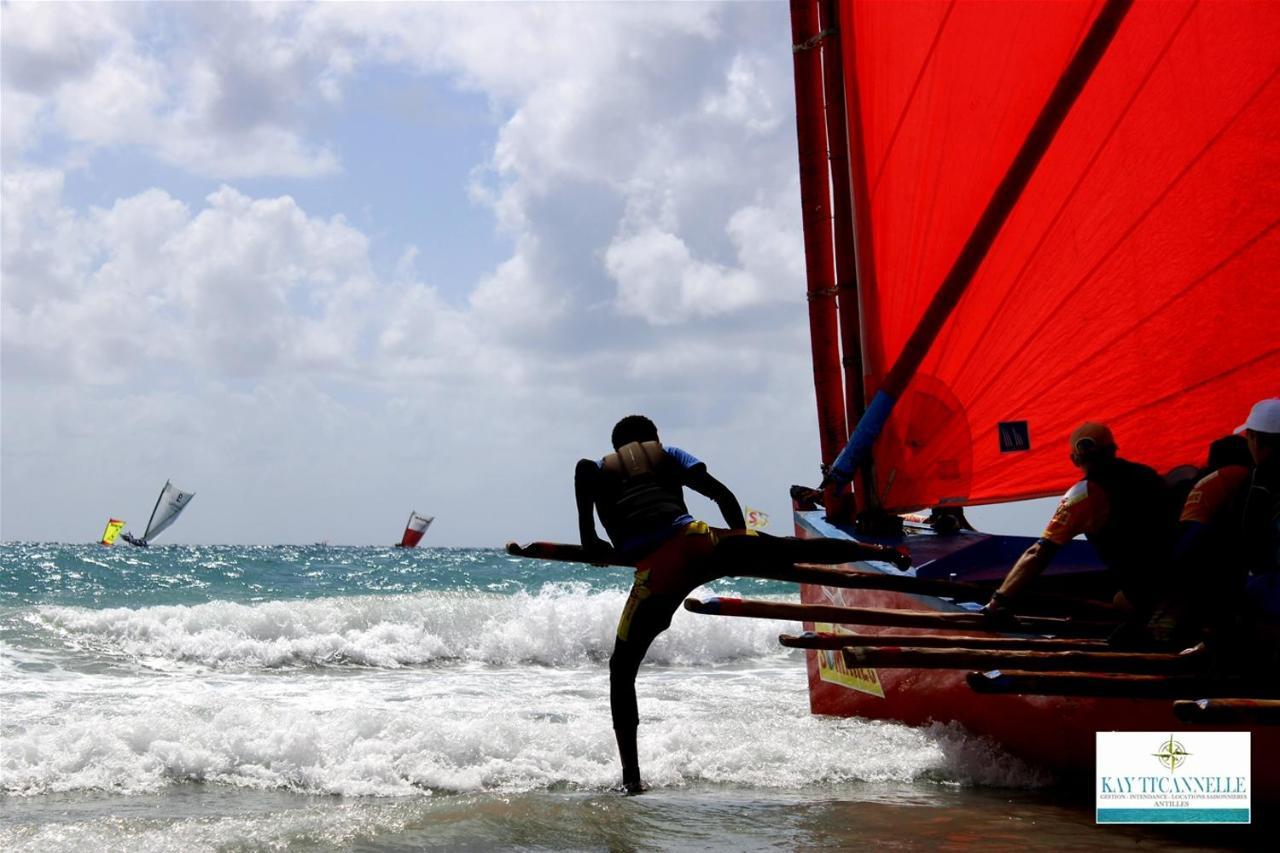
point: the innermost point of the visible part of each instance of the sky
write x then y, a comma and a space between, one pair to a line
326, 263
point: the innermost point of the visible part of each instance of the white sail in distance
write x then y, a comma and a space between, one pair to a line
169, 506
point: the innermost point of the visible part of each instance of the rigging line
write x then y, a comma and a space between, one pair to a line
1037, 391
1052, 314
146, 534
1033, 255
911, 96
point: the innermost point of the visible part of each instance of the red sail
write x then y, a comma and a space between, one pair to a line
414, 530
1135, 281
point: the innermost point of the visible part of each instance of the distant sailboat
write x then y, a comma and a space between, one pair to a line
114, 526
414, 530
169, 506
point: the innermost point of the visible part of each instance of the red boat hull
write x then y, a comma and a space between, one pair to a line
1051, 732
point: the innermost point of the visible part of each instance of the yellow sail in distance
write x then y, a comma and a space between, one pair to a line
114, 526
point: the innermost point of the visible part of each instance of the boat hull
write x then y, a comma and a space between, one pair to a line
1055, 733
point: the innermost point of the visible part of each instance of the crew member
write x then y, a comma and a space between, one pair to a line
638, 493
1231, 521
1121, 507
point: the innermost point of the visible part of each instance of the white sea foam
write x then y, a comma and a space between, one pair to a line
561, 625
411, 695
470, 728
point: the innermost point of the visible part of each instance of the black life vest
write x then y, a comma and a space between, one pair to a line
641, 492
1139, 527
1259, 519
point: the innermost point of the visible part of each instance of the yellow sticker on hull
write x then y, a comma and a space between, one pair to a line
831, 667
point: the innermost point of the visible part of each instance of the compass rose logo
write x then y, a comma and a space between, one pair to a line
1171, 755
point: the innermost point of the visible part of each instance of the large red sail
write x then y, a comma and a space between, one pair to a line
1136, 280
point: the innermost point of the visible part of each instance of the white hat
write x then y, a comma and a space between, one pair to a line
1263, 417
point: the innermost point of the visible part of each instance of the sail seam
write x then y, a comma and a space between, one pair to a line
1123, 238
1033, 255
911, 97
1179, 294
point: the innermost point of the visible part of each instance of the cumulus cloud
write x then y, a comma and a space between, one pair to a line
640, 173
213, 93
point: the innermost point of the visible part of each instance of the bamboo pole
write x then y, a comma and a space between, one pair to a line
1228, 710
1147, 663
1120, 686
812, 640
845, 155
897, 618
1030, 603
815, 202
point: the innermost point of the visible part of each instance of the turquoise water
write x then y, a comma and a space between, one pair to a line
228, 697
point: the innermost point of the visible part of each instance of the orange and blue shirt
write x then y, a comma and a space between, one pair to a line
1213, 493
1083, 509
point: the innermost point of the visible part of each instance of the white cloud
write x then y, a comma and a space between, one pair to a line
748, 98
214, 99
640, 171
659, 280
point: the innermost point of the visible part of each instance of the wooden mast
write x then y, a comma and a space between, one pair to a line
815, 200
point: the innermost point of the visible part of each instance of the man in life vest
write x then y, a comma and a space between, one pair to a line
638, 492
1122, 508
1229, 531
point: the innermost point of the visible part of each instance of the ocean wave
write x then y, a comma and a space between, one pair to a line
415, 735
564, 624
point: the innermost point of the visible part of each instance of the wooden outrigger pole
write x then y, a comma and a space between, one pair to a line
1228, 710
963, 621
834, 642
1066, 660
1117, 685
822, 575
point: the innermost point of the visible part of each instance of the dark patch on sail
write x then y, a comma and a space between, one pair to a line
1014, 436
927, 449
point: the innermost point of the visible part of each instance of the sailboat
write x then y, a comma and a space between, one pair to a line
1019, 217
415, 528
112, 530
169, 505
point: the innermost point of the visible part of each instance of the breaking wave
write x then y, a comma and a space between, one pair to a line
565, 624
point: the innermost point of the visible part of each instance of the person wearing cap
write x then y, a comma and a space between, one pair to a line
1240, 500
1121, 507
638, 492
1260, 513
1232, 524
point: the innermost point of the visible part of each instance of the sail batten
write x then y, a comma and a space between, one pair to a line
1132, 281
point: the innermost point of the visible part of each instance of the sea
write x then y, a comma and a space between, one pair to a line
225, 698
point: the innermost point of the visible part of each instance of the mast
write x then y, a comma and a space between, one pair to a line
1003, 199
146, 533
851, 209
815, 201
